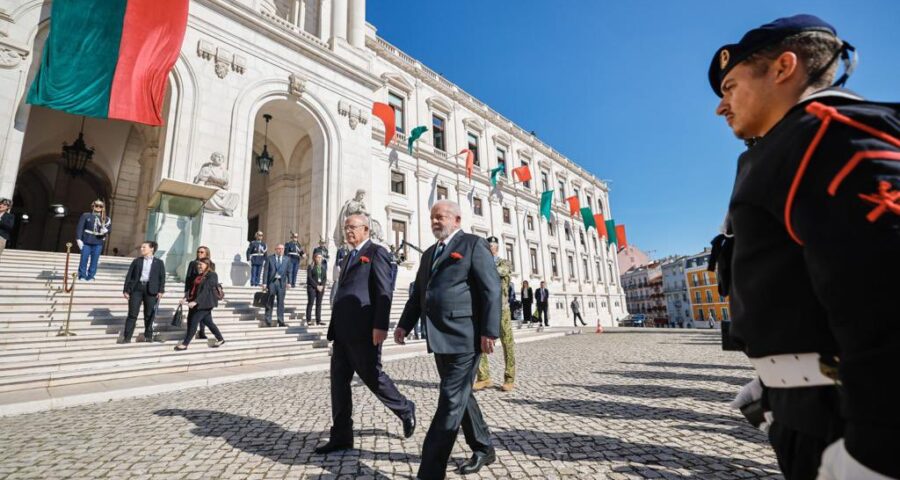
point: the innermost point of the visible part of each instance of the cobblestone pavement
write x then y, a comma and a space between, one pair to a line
626, 404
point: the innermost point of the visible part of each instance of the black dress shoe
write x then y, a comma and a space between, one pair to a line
477, 461
201, 336
409, 423
333, 447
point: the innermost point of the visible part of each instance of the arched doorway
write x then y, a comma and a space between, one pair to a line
282, 201
45, 182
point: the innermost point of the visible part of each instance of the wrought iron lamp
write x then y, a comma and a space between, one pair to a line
78, 154
264, 160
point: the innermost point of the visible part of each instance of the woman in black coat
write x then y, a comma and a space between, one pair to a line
191, 275
527, 299
201, 300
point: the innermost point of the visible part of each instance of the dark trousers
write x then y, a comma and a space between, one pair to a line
526, 311
276, 300
799, 454
456, 406
576, 318
313, 295
542, 313
295, 267
364, 359
138, 296
255, 274
200, 317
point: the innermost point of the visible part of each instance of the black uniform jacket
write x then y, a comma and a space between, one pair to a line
815, 213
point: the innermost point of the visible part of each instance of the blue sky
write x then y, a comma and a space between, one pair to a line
621, 89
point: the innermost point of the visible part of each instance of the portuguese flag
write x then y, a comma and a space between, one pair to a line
110, 58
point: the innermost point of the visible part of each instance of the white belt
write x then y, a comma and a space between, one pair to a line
791, 370
256, 254
294, 254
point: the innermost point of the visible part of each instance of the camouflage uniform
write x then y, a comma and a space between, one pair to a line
504, 268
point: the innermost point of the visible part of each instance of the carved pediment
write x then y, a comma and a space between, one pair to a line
439, 104
502, 139
397, 81
473, 123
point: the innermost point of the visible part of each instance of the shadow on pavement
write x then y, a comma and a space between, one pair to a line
657, 391
624, 411
418, 384
270, 440
698, 366
658, 375
566, 446
745, 433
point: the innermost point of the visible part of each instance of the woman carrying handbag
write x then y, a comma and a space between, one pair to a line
191, 275
201, 300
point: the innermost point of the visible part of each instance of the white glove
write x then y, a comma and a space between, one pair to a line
837, 464
80, 244
748, 394
104, 230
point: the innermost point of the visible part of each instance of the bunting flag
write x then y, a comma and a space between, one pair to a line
414, 135
611, 231
620, 237
496, 171
600, 225
546, 204
574, 205
386, 113
470, 162
110, 58
523, 173
588, 218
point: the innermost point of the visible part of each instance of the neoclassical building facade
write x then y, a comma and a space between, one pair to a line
314, 67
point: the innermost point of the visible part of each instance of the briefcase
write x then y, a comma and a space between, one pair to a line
261, 299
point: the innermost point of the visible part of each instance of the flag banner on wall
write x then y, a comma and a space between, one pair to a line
386, 114
600, 224
496, 171
546, 204
588, 218
620, 237
523, 173
110, 58
574, 205
414, 135
470, 162
611, 231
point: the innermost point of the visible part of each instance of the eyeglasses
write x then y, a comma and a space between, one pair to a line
348, 228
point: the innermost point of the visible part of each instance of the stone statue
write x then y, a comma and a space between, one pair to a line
214, 174
356, 206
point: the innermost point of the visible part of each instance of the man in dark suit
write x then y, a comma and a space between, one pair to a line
316, 277
145, 283
458, 289
7, 222
276, 276
543, 301
359, 323
527, 303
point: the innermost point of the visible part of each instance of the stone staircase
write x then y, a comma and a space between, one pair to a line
37, 363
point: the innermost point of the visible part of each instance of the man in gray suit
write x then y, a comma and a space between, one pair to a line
457, 289
277, 273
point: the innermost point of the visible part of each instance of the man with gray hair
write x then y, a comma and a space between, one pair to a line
359, 323
457, 288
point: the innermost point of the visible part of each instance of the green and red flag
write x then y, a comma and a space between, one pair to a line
611, 230
601, 225
414, 135
523, 173
574, 205
588, 218
620, 237
501, 167
110, 58
386, 113
546, 204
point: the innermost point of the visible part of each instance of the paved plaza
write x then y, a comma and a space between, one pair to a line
624, 404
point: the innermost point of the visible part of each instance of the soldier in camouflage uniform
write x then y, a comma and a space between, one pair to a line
506, 336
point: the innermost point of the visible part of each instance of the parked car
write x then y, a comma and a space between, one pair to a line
633, 320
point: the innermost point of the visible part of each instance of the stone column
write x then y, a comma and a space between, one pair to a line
338, 21
357, 23
324, 19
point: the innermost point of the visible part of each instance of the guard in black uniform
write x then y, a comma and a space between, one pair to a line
295, 252
813, 249
256, 255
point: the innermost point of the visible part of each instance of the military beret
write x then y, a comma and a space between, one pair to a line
493, 239
728, 56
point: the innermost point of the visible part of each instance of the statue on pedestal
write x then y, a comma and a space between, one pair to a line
214, 174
